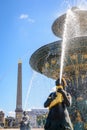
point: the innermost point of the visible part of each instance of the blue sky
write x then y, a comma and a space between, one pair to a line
25, 26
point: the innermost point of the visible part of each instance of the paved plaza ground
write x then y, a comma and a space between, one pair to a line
19, 129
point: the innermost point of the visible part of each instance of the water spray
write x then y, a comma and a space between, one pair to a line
63, 46
29, 89
69, 32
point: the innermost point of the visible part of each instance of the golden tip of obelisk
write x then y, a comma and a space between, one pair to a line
19, 61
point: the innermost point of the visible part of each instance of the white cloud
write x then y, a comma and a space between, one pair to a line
11, 113
26, 17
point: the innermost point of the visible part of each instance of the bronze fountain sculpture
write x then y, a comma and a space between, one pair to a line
46, 60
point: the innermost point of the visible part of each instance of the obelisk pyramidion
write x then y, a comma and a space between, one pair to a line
19, 110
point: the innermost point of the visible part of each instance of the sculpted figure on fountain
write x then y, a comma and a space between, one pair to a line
57, 102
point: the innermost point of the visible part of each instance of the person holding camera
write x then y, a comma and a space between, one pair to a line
57, 102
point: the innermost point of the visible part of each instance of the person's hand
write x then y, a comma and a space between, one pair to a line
60, 90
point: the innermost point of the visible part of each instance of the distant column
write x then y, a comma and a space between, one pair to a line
19, 110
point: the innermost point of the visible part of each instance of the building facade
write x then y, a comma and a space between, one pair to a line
37, 117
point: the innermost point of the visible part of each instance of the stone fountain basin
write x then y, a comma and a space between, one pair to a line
46, 60
81, 16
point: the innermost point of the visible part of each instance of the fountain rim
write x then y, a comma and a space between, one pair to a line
39, 51
58, 24
44, 50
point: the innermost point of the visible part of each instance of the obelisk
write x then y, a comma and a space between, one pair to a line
19, 110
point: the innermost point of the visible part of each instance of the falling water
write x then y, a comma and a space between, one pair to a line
82, 4
71, 29
29, 89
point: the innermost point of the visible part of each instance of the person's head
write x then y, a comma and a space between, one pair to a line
63, 82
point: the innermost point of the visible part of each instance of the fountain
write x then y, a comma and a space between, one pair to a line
71, 27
